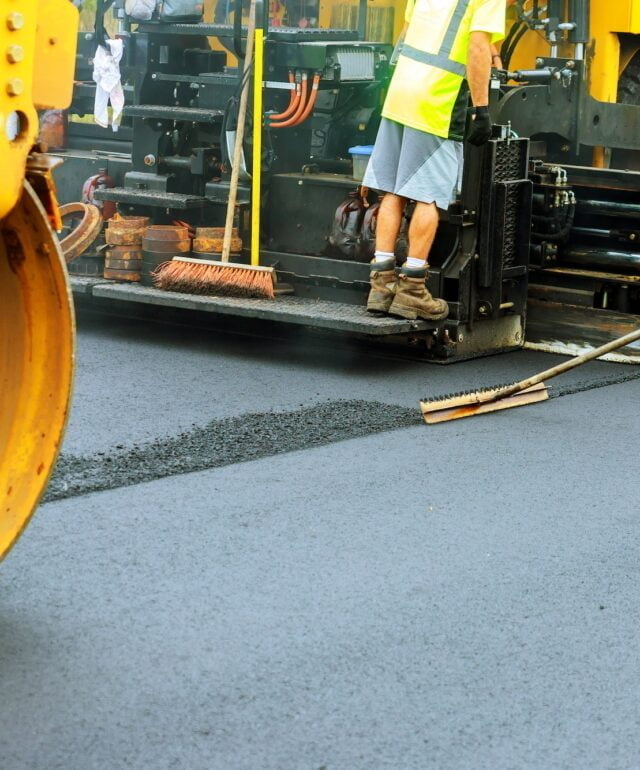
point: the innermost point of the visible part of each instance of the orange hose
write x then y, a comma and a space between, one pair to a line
293, 120
312, 100
294, 98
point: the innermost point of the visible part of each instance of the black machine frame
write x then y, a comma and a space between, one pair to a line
179, 96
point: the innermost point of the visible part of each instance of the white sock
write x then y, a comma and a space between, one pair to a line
415, 262
383, 256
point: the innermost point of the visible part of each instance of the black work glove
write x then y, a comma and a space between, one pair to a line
480, 127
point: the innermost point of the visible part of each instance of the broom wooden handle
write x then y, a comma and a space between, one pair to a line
240, 124
572, 363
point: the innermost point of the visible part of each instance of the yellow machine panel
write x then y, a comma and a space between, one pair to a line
55, 54
39, 43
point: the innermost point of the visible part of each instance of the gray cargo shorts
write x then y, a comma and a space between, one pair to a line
415, 165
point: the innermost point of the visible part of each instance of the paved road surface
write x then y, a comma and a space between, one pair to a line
461, 596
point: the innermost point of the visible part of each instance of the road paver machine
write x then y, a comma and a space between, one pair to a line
539, 245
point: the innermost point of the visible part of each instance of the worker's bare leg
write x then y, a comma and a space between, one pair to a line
412, 299
389, 220
422, 231
383, 267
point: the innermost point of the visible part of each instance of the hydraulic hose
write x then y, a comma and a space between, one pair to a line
562, 234
312, 100
293, 120
294, 100
506, 61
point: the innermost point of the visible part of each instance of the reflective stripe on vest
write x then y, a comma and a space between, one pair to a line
453, 28
433, 60
441, 59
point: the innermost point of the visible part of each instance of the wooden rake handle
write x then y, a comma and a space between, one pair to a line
572, 363
240, 126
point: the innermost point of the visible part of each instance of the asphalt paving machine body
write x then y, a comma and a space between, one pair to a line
534, 221
572, 85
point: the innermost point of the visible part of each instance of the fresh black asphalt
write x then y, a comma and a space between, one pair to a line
455, 596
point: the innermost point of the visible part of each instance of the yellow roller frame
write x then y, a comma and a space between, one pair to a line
37, 56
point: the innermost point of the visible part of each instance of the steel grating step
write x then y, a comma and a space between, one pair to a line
154, 198
164, 112
203, 78
336, 316
277, 34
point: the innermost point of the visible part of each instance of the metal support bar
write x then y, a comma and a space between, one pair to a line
579, 15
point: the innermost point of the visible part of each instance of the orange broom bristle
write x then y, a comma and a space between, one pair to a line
220, 280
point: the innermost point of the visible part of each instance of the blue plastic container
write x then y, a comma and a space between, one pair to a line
360, 155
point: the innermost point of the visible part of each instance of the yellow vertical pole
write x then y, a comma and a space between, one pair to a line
256, 172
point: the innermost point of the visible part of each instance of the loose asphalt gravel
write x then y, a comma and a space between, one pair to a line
339, 586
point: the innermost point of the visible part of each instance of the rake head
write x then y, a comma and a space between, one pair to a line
458, 405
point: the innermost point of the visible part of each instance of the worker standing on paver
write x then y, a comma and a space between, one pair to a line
418, 150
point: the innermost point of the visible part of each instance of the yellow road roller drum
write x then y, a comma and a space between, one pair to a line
37, 56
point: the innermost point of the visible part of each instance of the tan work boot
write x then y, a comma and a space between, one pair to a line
383, 286
412, 300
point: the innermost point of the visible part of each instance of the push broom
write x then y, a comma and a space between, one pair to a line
529, 391
224, 278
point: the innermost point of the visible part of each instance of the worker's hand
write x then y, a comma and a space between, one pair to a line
480, 130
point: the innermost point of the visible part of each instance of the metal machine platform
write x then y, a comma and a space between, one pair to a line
333, 316
164, 112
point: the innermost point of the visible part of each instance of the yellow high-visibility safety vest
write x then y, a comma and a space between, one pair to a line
428, 90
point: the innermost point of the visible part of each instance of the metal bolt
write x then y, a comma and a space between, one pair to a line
15, 21
53, 40
150, 160
15, 54
15, 87
632, 237
539, 62
460, 337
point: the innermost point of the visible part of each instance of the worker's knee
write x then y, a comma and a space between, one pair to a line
391, 200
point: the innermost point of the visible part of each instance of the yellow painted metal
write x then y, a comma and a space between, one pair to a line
611, 52
385, 19
55, 54
613, 31
256, 171
17, 112
36, 360
37, 56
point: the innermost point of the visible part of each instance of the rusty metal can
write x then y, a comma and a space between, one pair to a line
167, 233
123, 263
126, 231
209, 240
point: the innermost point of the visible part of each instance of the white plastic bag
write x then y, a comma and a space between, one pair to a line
140, 10
181, 10
106, 74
